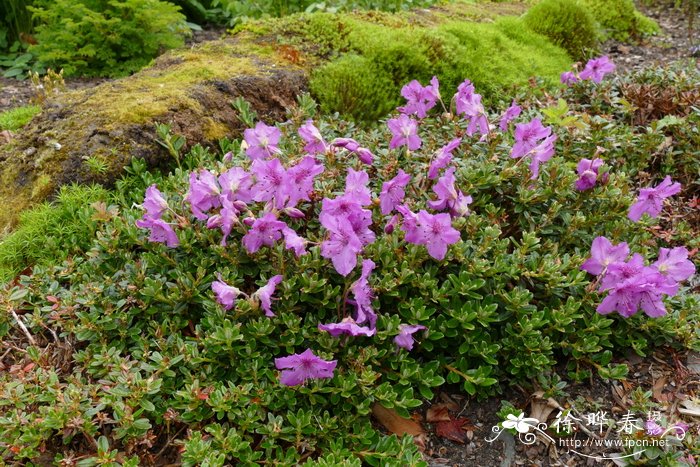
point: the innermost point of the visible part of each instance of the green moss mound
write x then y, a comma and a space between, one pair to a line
50, 232
620, 19
372, 57
567, 23
16, 118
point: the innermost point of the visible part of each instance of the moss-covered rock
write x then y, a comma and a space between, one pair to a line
111, 123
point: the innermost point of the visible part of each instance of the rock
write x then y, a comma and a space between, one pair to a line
190, 89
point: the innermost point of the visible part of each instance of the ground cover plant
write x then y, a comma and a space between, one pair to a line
254, 304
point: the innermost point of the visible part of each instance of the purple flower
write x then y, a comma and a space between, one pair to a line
300, 180
154, 203
314, 141
652, 428
294, 242
362, 294
621, 271
262, 141
342, 246
435, 231
346, 326
442, 158
264, 294
511, 113
235, 184
468, 103
226, 219
203, 194
449, 197
264, 231
651, 200
410, 226
541, 153
675, 264
405, 337
391, 225
527, 137
364, 154
420, 99
271, 182
604, 253
587, 173
300, 367
568, 78
356, 186
161, 231
597, 68
392, 193
226, 294
681, 428
405, 132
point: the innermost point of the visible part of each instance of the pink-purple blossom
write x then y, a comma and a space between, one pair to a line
292, 241
468, 103
587, 170
652, 428
356, 186
674, 263
449, 197
300, 180
419, 99
262, 141
314, 141
393, 193
154, 203
568, 78
541, 153
604, 253
346, 326
651, 200
528, 136
298, 368
203, 194
271, 182
442, 158
364, 154
510, 114
597, 68
342, 245
264, 294
225, 294
264, 231
235, 184
363, 295
435, 231
160, 231
405, 337
404, 132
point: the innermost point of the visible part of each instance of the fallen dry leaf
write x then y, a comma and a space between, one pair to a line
691, 407
438, 413
454, 430
394, 422
658, 389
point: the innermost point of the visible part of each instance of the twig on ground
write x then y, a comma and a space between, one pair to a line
22, 326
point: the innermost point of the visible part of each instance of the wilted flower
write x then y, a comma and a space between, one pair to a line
300, 367
364, 154
568, 77
442, 158
362, 294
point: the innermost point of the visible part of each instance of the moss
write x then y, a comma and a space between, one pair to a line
16, 118
156, 90
365, 83
214, 130
48, 233
620, 19
567, 23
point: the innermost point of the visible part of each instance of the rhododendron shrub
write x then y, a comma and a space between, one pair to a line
320, 269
